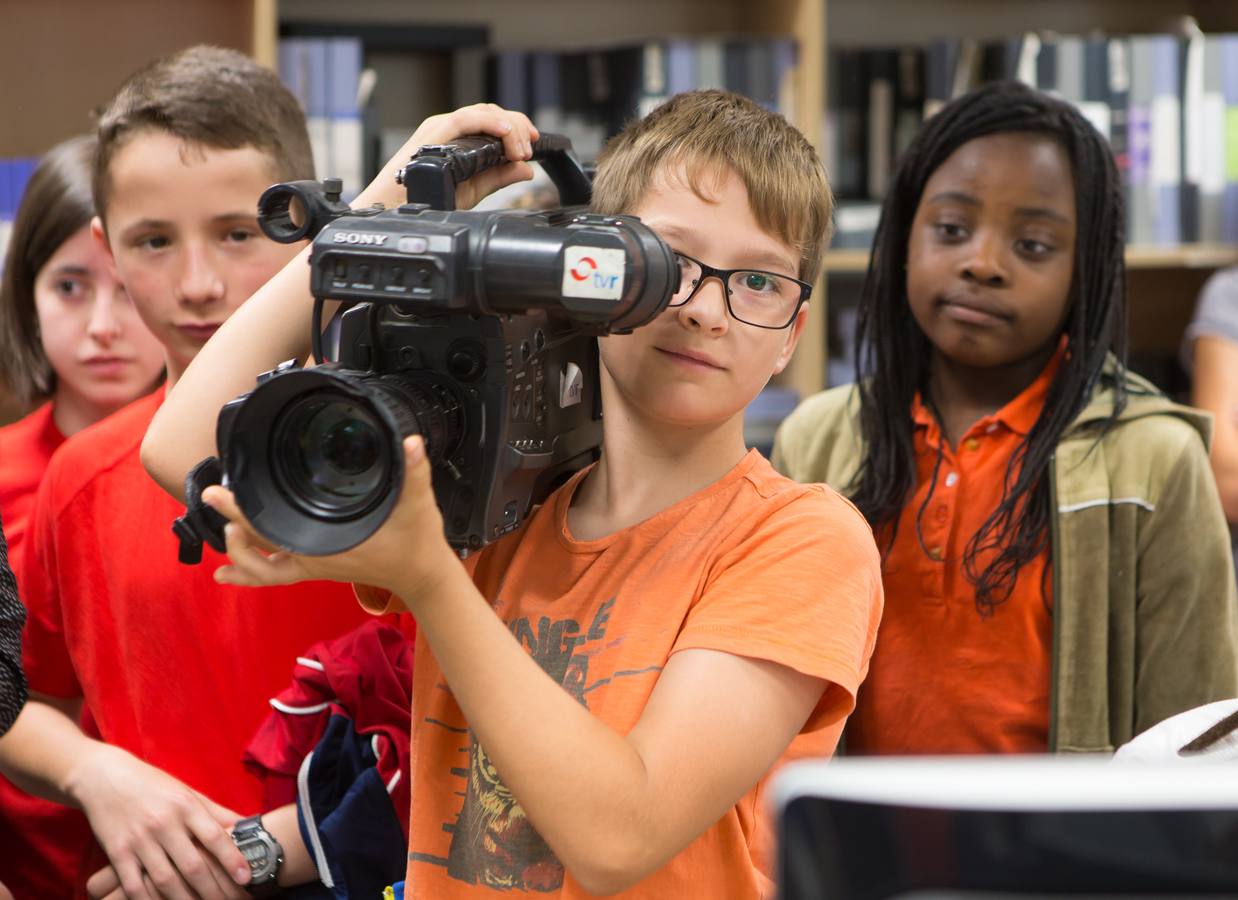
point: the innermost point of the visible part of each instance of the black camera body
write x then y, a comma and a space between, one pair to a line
474, 329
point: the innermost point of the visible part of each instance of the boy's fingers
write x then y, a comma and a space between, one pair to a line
224, 817
205, 856
250, 566
162, 874
129, 871
223, 501
103, 883
472, 191
416, 466
218, 843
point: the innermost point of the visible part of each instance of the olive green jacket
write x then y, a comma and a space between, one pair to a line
1145, 617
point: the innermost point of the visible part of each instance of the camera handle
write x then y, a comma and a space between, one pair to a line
200, 524
432, 174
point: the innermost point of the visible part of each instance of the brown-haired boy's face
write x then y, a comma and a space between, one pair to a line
182, 227
695, 365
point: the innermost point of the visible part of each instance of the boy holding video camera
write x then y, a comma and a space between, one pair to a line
175, 669
600, 696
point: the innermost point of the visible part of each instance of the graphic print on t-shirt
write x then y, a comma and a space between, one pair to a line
492, 841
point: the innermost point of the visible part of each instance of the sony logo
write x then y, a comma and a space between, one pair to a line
357, 237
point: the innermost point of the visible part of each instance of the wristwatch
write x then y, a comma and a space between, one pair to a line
262, 852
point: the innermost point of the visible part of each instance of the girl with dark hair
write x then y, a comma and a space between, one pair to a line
1055, 559
70, 340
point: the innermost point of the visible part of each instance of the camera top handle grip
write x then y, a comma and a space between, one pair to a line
433, 173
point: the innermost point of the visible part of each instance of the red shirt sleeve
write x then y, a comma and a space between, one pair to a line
45, 653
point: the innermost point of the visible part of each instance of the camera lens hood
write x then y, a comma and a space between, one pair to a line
315, 461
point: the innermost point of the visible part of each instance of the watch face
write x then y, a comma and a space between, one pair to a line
258, 854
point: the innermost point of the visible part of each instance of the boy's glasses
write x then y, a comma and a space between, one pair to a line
760, 299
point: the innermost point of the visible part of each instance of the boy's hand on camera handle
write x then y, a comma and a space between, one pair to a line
163, 838
402, 556
514, 128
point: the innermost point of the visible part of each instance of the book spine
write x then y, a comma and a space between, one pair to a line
1229, 88
1119, 88
1140, 208
318, 111
1166, 161
347, 143
1191, 137
654, 77
1212, 143
882, 79
1095, 102
680, 66
710, 72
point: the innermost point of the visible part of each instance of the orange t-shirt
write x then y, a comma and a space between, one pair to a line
754, 565
945, 679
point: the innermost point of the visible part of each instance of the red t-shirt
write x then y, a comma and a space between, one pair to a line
944, 678
174, 667
42, 841
754, 565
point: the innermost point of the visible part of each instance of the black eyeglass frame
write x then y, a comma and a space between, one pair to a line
724, 276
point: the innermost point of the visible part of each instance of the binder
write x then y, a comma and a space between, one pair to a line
1166, 148
345, 126
318, 110
1229, 90
1141, 229
1211, 142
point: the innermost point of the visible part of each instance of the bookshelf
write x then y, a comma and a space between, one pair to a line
543, 24
61, 88
1163, 281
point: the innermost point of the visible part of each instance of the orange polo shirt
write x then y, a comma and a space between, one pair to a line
944, 679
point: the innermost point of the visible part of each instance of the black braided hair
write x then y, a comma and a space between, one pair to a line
892, 353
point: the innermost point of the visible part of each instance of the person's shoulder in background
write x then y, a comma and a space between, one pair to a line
1216, 314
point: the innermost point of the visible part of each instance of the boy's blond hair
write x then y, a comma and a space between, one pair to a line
207, 97
704, 131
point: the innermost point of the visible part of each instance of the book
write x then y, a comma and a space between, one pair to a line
1210, 142
1140, 206
1166, 132
345, 132
1229, 90
318, 108
882, 70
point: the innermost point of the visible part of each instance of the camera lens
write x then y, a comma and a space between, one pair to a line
334, 456
339, 447
350, 446
315, 456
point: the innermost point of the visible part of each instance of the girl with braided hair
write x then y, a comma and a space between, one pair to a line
1055, 559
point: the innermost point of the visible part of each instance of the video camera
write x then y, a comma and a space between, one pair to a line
474, 329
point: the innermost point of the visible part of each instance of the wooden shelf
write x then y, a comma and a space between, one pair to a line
1187, 256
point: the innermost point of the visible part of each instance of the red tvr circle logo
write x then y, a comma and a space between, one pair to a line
583, 269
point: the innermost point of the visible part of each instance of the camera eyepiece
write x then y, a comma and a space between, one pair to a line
295, 210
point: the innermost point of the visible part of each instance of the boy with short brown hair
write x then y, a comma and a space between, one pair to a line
600, 696
175, 669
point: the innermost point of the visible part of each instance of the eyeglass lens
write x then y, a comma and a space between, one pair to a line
758, 298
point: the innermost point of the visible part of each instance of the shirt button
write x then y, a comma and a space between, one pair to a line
972, 443
952, 478
941, 513
935, 553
